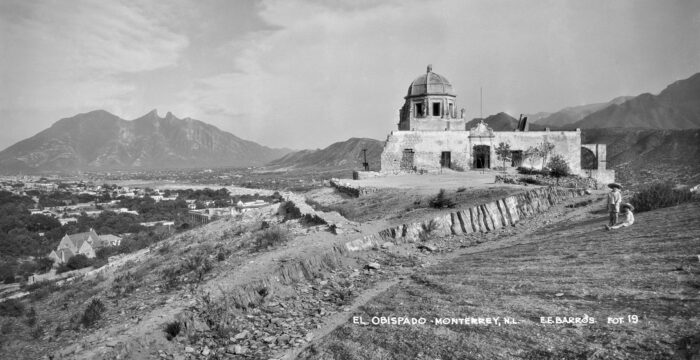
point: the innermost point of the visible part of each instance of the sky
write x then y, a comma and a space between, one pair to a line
305, 74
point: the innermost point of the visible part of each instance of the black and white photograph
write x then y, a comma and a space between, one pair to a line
350, 179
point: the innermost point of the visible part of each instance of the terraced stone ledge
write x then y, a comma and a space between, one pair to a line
483, 218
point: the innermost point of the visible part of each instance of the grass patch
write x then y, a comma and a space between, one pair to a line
271, 237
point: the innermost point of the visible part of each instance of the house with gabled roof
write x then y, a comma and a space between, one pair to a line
85, 243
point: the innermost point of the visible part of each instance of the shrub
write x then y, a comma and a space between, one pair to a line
462, 189
11, 307
558, 166
659, 195
291, 211
124, 284
441, 201
312, 220
199, 264
530, 171
273, 236
80, 261
93, 313
172, 329
44, 264
171, 278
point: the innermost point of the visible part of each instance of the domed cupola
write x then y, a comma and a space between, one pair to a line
430, 83
430, 105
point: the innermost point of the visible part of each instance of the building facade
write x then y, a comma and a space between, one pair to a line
432, 135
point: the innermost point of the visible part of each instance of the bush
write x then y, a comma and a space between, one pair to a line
462, 189
273, 236
199, 264
11, 307
80, 261
291, 211
558, 166
531, 171
441, 201
93, 313
44, 264
312, 220
659, 195
172, 329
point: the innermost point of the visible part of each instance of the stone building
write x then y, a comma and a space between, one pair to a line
433, 135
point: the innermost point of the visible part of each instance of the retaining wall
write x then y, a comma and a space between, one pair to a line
487, 217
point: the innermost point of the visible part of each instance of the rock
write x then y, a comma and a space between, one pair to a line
309, 336
189, 349
270, 339
283, 339
559, 294
429, 247
206, 351
372, 266
236, 350
387, 245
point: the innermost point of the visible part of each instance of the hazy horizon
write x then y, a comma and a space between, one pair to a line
305, 74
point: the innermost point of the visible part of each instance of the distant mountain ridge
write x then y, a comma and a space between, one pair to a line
572, 114
676, 107
99, 140
342, 155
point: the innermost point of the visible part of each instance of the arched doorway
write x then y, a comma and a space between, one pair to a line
588, 159
482, 157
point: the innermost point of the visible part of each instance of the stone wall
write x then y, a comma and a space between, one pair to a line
565, 182
487, 217
350, 189
427, 147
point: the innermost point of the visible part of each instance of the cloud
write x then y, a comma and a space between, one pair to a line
74, 54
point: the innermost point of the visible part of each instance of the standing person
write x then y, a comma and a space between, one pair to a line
614, 201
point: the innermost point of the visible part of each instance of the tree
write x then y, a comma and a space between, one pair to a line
545, 148
503, 153
532, 152
558, 167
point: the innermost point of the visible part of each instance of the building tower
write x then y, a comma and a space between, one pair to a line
430, 105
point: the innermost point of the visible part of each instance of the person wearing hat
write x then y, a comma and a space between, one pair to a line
628, 218
614, 201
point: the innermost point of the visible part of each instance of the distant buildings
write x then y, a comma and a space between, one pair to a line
86, 243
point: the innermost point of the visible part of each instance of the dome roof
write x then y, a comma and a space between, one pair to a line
430, 83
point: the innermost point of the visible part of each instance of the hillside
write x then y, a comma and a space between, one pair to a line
100, 140
343, 155
676, 107
573, 114
640, 156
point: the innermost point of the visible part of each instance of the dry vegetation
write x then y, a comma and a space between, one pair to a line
563, 270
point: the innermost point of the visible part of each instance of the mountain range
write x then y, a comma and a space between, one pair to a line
100, 140
344, 155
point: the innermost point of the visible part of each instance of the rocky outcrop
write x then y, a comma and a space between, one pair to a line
487, 217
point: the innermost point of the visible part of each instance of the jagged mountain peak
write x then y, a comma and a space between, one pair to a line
101, 140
